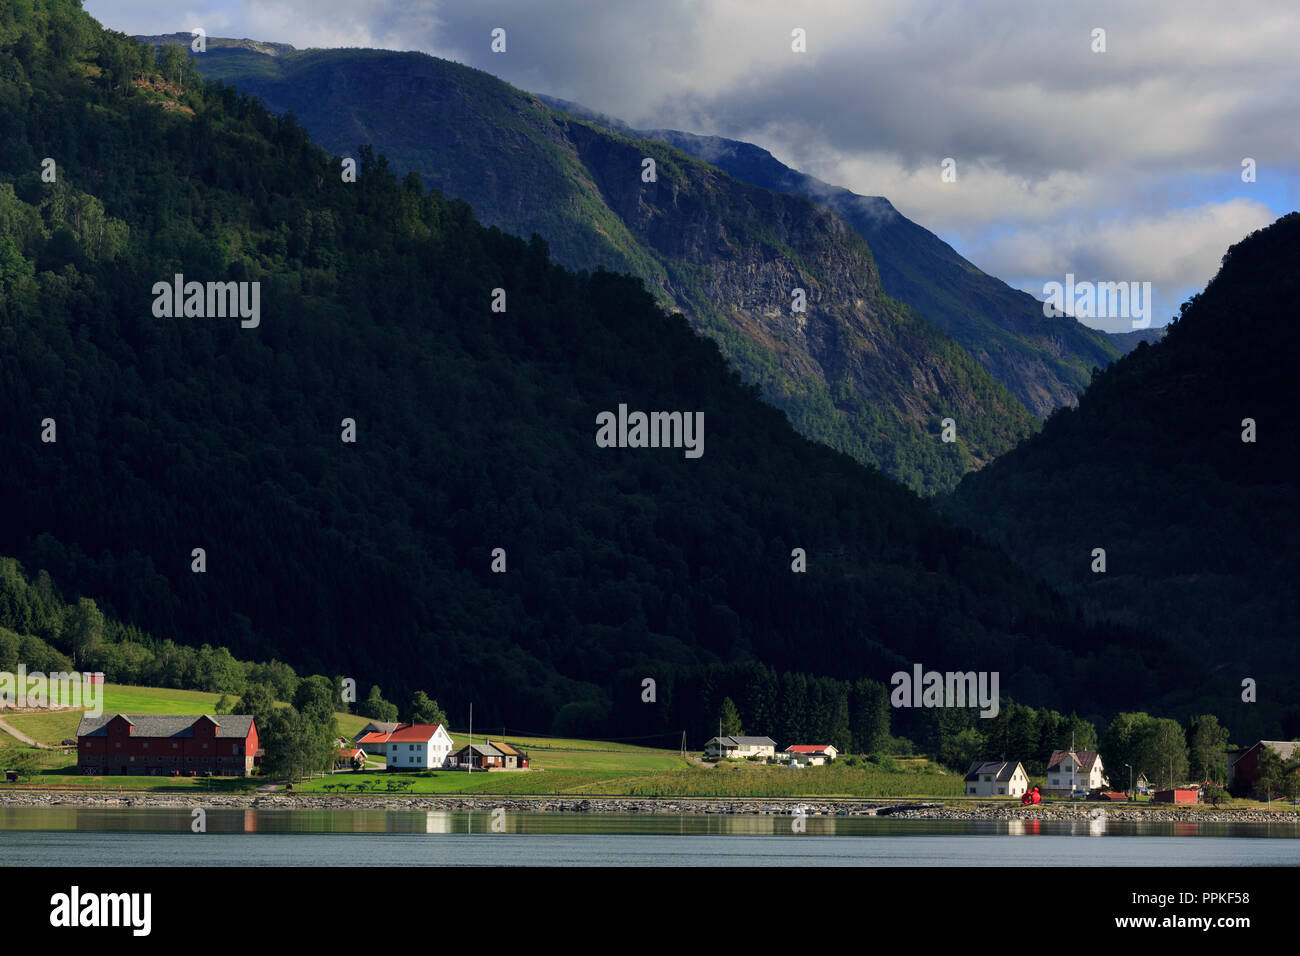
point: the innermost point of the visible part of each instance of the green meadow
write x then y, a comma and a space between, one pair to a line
560, 766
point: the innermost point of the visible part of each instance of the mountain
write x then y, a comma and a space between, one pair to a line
1201, 529
1127, 341
1044, 362
857, 369
362, 469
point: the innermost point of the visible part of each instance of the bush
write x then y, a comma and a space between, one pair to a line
25, 761
1216, 795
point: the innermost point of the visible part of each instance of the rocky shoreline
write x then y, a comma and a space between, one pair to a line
735, 806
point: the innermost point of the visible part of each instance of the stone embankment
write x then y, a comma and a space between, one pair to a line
18, 797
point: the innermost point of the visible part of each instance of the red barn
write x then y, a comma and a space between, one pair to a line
155, 744
1243, 770
1177, 795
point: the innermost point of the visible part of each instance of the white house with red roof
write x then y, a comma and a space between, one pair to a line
372, 736
812, 754
411, 746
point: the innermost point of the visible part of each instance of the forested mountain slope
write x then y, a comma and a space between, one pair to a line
856, 369
1201, 528
132, 438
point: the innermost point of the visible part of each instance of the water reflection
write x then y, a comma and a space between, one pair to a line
439, 822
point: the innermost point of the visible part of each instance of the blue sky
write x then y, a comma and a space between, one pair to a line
1114, 165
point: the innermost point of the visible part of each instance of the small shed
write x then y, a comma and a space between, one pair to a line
1176, 795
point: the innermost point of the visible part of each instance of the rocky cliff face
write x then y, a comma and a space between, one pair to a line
1045, 362
855, 369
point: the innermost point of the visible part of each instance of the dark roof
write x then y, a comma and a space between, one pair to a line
1084, 758
483, 750
1003, 770
167, 725
379, 726
745, 741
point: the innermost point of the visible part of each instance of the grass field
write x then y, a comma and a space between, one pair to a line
565, 767
682, 782
561, 766
52, 727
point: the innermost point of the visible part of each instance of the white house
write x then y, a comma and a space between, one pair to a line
996, 778
812, 754
1075, 771
740, 747
417, 747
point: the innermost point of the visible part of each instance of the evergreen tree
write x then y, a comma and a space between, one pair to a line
869, 715
1207, 744
376, 708
84, 629
729, 718
424, 710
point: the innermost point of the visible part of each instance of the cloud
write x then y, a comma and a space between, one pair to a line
1177, 251
1045, 132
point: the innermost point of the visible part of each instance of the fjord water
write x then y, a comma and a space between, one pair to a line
59, 836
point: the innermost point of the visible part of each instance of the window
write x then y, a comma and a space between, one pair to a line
118, 744
176, 746
410, 746
145, 745
1002, 790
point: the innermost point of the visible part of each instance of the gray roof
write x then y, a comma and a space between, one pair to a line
167, 725
1003, 770
1283, 748
377, 727
483, 750
745, 741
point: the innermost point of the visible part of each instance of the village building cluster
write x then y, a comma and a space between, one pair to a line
228, 745
429, 747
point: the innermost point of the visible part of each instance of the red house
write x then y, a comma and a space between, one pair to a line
224, 745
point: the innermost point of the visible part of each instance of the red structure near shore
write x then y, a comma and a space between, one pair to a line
163, 744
